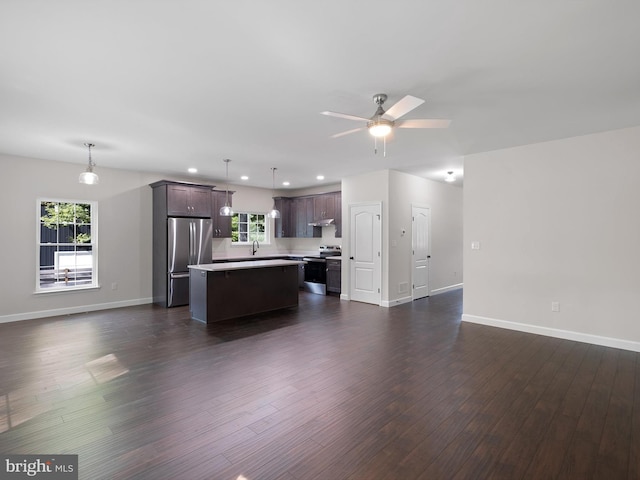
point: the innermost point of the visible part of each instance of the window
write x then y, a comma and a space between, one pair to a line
247, 227
67, 252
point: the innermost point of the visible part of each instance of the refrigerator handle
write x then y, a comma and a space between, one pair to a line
192, 238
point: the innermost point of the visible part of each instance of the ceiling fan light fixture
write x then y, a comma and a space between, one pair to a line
379, 127
89, 177
382, 122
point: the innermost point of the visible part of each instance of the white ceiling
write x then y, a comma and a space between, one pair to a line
164, 85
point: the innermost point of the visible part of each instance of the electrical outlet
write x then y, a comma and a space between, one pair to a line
114, 286
555, 306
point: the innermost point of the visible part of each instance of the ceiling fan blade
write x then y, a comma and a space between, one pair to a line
423, 123
347, 132
344, 115
403, 107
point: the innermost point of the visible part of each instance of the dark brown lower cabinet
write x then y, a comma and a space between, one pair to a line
226, 294
334, 275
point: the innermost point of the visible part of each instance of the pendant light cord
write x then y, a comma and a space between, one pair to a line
89, 145
273, 180
227, 196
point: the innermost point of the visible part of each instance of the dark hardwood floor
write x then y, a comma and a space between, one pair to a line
330, 390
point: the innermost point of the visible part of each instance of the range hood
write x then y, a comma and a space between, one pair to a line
325, 222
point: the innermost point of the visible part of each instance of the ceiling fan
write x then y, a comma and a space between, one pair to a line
382, 122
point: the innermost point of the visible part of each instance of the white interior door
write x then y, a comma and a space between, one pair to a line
365, 255
421, 252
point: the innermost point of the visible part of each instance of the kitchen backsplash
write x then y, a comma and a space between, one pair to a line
222, 247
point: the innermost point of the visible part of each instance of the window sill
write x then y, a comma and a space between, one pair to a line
66, 290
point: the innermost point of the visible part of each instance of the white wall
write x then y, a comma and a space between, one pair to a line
557, 222
445, 204
124, 237
368, 187
397, 192
125, 226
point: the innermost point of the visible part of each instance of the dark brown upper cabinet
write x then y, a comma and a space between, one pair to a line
185, 200
284, 226
296, 213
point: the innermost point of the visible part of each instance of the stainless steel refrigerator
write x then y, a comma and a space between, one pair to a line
188, 243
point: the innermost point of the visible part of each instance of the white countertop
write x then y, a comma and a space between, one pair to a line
221, 267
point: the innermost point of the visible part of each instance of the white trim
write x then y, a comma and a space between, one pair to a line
269, 230
50, 291
71, 310
395, 303
554, 332
449, 288
95, 283
344, 296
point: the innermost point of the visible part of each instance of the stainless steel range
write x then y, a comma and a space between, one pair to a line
315, 270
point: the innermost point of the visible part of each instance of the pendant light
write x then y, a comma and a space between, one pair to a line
89, 177
274, 213
226, 210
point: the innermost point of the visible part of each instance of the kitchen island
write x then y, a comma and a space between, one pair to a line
222, 291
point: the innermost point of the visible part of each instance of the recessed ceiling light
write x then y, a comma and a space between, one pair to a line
192, 170
320, 177
244, 177
285, 183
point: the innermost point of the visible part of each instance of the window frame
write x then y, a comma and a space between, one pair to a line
93, 244
267, 230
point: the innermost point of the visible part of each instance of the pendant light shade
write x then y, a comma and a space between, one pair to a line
226, 210
450, 177
274, 213
89, 177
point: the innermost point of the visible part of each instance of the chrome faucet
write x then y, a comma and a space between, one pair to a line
254, 247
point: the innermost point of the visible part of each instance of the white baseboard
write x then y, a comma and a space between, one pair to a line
554, 332
449, 288
409, 299
393, 303
71, 310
